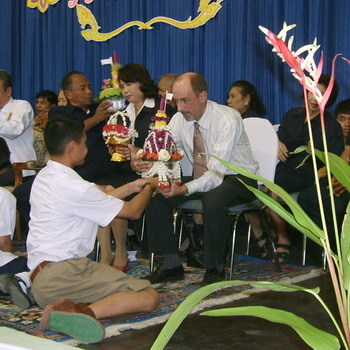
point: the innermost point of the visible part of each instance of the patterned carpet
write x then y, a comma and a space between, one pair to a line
172, 294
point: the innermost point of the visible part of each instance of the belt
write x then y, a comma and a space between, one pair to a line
38, 269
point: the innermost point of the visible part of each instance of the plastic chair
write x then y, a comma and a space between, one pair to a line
264, 145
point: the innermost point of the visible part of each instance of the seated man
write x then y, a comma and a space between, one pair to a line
16, 127
200, 126
10, 263
65, 213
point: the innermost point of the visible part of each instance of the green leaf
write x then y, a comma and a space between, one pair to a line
310, 228
338, 167
193, 300
315, 338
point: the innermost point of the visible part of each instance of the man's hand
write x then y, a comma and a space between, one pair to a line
282, 152
139, 184
101, 114
137, 164
20, 253
174, 190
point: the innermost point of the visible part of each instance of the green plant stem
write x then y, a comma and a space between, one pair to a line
331, 316
337, 278
338, 294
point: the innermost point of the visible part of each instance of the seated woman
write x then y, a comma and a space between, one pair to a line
244, 97
292, 133
141, 92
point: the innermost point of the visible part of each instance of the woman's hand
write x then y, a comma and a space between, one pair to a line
282, 152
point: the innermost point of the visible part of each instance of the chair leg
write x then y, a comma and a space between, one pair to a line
233, 246
151, 266
248, 239
304, 250
97, 251
324, 265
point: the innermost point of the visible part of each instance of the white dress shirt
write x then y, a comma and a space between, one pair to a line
16, 127
65, 213
224, 136
7, 221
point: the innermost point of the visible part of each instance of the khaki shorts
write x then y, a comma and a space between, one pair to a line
81, 281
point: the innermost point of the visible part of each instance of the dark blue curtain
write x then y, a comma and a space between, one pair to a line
38, 49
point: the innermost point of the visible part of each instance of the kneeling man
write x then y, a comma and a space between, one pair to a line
65, 213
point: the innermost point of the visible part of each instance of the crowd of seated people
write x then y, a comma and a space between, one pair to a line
82, 191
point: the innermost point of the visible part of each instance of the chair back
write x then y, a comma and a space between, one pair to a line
264, 145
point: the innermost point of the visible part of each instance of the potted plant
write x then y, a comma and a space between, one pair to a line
307, 73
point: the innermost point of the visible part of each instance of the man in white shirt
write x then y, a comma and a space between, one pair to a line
16, 127
65, 213
11, 263
218, 188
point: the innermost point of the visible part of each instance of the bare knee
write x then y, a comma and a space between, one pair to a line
152, 299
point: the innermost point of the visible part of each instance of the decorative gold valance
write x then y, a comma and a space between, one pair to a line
206, 11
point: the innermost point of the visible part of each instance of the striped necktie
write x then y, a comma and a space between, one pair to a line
199, 159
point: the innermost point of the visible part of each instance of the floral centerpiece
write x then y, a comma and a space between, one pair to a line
110, 89
118, 132
160, 148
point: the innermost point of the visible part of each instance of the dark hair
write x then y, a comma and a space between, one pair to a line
49, 95
248, 88
324, 80
343, 107
4, 155
6, 79
60, 131
135, 73
67, 80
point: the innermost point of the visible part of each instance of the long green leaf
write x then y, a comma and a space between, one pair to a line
315, 338
193, 300
338, 167
309, 230
300, 216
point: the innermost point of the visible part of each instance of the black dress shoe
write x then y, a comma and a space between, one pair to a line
163, 275
212, 276
194, 259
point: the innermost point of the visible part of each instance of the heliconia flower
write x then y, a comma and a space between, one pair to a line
345, 59
303, 69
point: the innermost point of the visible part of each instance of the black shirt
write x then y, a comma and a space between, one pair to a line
97, 161
293, 132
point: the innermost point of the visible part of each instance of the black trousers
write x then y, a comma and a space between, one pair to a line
14, 266
217, 222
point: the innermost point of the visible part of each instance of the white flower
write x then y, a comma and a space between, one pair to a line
164, 155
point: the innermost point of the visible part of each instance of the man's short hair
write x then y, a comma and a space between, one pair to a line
49, 95
4, 155
6, 79
60, 131
343, 107
198, 83
67, 80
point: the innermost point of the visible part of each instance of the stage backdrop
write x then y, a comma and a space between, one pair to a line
41, 40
